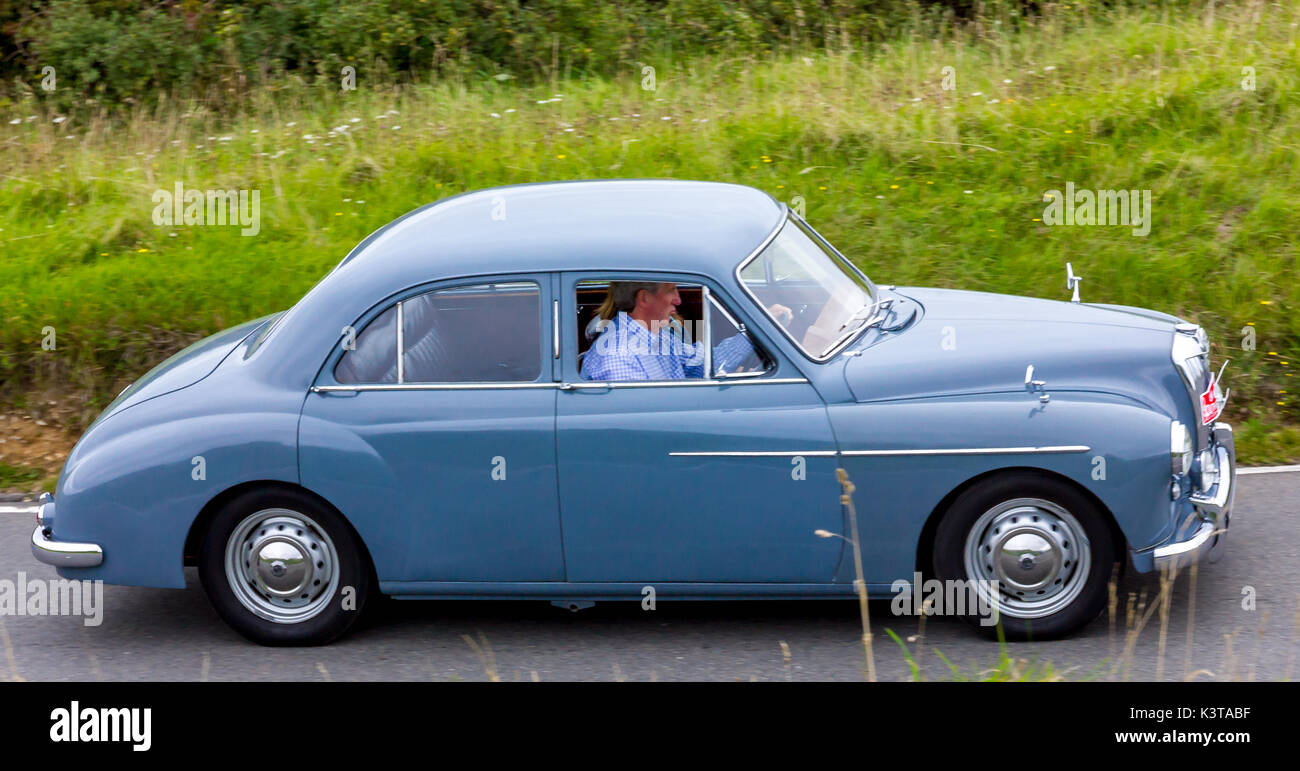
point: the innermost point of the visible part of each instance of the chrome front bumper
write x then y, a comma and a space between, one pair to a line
61, 554
1203, 534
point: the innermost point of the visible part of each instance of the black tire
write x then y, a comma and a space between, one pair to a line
965, 513
331, 609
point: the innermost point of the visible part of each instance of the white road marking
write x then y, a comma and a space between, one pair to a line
1267, 469
18, 508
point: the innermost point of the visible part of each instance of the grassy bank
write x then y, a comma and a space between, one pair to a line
918, 184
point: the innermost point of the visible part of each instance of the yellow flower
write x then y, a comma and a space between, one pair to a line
1250, 323
1265, 302
1038, 219
823, 187
560, 156
1069, 131
780, 186
767, 160
338, 214
141, 251
893, 187
1272, 353
928, 182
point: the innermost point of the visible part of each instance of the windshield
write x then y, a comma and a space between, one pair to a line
829, 300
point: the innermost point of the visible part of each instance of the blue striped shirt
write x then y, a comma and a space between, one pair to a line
626, 350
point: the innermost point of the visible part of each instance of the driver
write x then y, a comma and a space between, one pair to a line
643, 339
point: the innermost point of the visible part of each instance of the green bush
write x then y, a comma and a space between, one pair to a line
130, 50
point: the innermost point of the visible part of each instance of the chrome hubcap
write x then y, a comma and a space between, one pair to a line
281, 565
1037, 553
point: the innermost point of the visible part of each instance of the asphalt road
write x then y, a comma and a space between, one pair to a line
166, 634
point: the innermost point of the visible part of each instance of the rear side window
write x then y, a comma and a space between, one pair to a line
485, 333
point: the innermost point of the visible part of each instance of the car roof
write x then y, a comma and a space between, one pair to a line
642, 224
704, 228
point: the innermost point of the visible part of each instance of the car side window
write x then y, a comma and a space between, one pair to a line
735, 352
372, 356
485, 333
688, 334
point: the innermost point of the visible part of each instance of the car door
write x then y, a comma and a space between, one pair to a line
444, 455
710, 479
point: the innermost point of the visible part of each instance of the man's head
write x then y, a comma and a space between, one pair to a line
644, 301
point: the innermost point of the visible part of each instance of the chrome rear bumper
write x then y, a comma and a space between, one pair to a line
61, 554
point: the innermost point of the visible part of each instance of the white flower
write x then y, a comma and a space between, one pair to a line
291, 124
254, 131
60, 119
354, 120
396, 128
977, 93
15, 121
496, 115
1006, 80
968, 192
510, 110
1049, 68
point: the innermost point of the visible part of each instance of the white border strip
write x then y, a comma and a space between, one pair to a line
1267, 469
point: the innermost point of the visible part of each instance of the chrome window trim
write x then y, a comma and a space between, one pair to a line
401, 343
705, 300
678, 383
786, 217
555, 328
427, 387
561, 386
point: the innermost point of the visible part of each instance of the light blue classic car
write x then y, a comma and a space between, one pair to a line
589, 391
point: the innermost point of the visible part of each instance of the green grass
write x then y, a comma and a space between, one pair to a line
20, 478
881, 155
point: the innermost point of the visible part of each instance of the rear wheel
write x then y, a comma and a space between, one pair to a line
283, 569
1036, 548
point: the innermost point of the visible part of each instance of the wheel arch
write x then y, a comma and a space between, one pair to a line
194, 538
925, 544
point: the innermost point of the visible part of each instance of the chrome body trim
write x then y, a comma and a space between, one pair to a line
864, 453
755, 454
1064, 448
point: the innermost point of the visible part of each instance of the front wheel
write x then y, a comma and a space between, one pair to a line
283, 569
1035, 548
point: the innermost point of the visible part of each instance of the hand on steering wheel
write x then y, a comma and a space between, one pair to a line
782, 314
